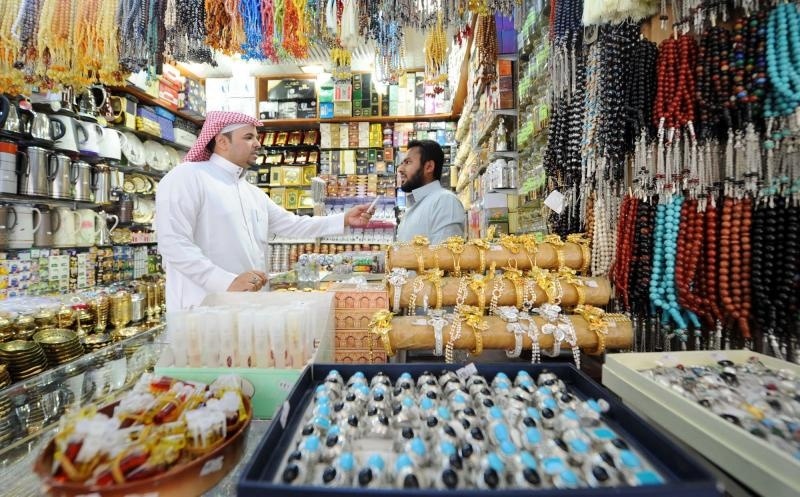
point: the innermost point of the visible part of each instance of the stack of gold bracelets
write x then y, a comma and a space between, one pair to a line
479, 276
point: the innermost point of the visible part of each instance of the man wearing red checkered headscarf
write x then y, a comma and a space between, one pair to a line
214, 227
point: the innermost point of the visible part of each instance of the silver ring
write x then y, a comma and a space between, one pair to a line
254, 281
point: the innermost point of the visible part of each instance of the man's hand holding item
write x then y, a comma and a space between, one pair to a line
251, 281
358, 216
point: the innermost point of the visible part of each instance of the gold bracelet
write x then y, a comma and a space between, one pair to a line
558, 245
435, 277
545, 282
418, 243
381, 325
478, 284
474, 318
497, 292
571, 277
456, 246
586, 257
416, 287
531, 248
515, 276
482, 246
598, 323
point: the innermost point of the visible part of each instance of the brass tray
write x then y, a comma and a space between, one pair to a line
185, 480
55, 337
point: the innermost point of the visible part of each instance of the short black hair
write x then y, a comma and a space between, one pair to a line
430, 150
213, 143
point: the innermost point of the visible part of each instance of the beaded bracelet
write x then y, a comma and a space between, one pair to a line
397, 278
529, 301
497, 292
461, 293
533, 334
571, 336
455, 334
514, 275
417, 287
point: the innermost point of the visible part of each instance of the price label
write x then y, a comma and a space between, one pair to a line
591, 283
467, 371
284, 385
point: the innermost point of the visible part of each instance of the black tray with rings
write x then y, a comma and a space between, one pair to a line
679, 473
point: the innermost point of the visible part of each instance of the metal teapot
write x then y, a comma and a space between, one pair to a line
9, 116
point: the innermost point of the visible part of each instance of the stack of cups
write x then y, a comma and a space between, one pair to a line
8, 167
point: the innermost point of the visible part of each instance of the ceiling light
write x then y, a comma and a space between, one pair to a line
312, 69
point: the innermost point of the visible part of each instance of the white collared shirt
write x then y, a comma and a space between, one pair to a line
435, 213
212, 225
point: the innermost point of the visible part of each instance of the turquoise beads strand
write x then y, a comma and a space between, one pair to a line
663, 294
783, 53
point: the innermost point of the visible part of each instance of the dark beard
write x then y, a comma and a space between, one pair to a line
413, 182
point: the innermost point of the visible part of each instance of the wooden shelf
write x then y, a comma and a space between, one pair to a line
359, 119
147, 99
288, 123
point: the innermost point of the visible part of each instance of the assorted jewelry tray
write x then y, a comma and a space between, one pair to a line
503, 428
737, 408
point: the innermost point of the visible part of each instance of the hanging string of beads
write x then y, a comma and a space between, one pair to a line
131, 17
436, 55
486, 41
224, 31
250, 11
54, 43
10, 74
783, 39
26, 29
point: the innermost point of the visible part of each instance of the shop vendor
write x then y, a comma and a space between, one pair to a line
214, 227
433, 211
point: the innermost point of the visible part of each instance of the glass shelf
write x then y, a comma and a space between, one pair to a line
95, 378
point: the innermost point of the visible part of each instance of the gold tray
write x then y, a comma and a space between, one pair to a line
15, 347
190, 479
55, 336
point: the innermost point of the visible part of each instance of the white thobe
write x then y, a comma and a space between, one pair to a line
212, 225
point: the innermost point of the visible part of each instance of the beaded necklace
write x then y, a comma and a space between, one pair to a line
662, 280
191, 20
486, 40
621, 269
250, 10
783, 66
10, 75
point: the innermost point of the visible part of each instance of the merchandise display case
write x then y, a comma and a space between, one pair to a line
96, 378
752, 460
680, 474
